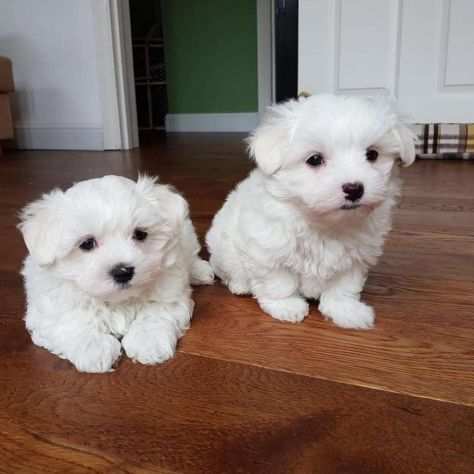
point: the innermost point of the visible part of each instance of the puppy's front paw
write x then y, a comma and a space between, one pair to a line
350, 314
201, 273
238, 287
98, 354
150, 345
293, 309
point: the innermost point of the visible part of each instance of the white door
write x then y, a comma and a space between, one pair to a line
419, 51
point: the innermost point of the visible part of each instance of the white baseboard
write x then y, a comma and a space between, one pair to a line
239, 122
52, 137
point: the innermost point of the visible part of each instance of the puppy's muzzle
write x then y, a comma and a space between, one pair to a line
122, 273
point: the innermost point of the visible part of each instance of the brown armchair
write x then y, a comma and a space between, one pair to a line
6, 88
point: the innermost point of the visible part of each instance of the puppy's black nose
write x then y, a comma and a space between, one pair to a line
122, 273
353, 191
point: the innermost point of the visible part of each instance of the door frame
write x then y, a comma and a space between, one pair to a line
265, 54
116, 76
115, 73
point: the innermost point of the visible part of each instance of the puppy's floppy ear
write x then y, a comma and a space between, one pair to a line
42, 227
407, 140
269, 141
171, 206
404, 136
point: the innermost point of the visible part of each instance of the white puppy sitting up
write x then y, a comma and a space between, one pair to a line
311, 219
110, 258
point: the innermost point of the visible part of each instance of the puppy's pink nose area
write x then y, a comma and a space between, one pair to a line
353, 191
122, 274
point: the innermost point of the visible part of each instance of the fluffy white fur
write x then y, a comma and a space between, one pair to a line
286, 234
75, 308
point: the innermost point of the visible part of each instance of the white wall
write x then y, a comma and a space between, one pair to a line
52, 44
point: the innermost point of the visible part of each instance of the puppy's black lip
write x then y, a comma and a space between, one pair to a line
348, 207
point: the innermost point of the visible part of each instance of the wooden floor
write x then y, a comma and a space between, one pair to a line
246, 393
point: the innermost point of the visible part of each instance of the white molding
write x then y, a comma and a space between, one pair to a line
397, 16
238, 122
334, 11
115, 73
265, 54
52, 137
336, 43
123, 51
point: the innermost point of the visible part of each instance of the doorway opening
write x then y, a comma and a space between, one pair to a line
198, 66
286, 49
149, 65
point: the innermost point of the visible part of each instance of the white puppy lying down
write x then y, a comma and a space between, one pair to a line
311, 219
110, 257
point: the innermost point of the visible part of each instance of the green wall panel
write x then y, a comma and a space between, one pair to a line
211, 55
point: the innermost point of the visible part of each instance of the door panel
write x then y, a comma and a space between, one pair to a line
418, 51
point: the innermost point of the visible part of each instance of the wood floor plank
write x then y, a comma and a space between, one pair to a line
434, 221
400, 354
425, 298
196, 415
430, 243
247, 393
405, 262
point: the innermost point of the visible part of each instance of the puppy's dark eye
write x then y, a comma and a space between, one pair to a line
88, 244
315, 160
140, 235
371, 155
